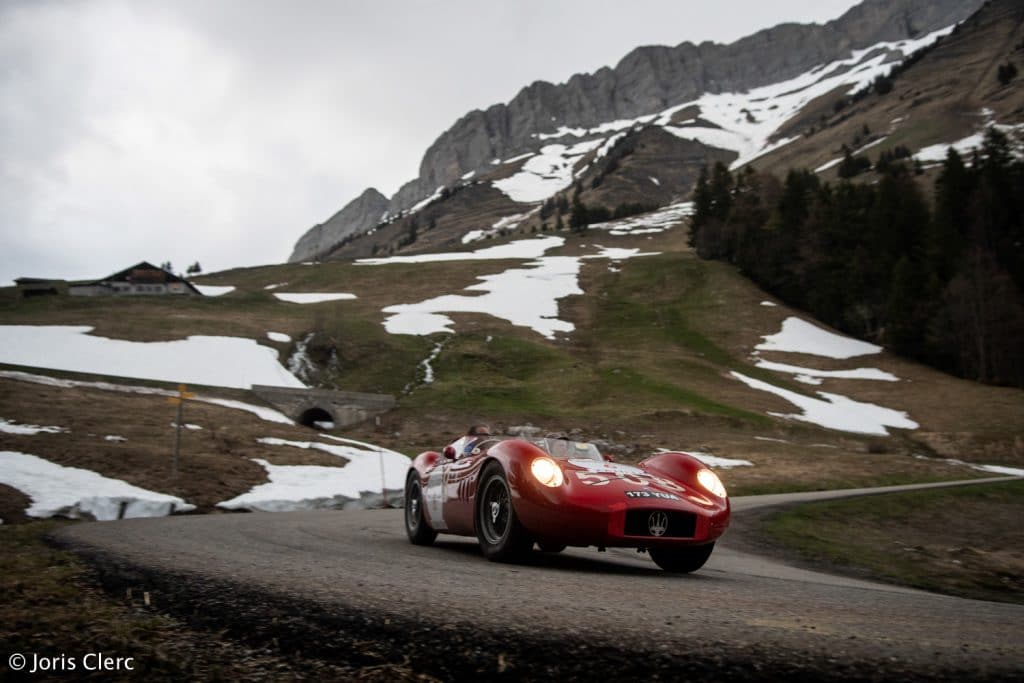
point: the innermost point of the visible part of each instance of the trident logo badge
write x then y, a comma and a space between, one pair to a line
657, 523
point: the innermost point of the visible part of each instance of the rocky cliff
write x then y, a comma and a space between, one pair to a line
645, 81
358, 216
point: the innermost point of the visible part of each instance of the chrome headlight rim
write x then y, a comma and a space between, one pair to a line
711, 483
547, 472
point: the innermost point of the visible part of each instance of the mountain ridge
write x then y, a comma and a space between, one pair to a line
646, 80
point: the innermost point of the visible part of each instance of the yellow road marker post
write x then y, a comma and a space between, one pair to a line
183, 395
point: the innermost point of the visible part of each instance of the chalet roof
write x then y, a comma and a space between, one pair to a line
130, 274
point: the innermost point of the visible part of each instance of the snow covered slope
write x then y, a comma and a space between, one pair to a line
746, 123
732, 98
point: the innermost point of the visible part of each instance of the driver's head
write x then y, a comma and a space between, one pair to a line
479, 430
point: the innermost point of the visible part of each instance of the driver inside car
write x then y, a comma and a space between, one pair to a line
475, 435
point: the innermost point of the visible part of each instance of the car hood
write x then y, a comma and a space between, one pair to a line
630, 482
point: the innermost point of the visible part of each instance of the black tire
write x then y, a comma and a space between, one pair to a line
502, 538
551, 547
682, 559
416, 525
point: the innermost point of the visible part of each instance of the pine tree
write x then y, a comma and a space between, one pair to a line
701, 206
579, 218
948, 229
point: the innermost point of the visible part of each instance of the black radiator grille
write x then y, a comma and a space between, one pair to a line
676, 524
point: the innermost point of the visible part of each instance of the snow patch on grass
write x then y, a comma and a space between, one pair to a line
313, 297
58, 491
711, 460
8, 427
505, 223
616, 254
800, 336
857, 373
833, 411
994, 469
526, 297
359, 483
547, 172
648, 223
519, 249
214, 361
214, 290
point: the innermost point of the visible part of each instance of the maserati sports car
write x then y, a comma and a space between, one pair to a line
514, 492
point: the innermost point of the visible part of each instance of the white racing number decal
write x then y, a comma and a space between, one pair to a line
434, 498
603, 473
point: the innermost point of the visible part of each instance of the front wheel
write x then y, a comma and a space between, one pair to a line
682, 559
416, 525
502, 538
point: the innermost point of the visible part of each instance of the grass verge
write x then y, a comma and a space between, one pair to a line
965, 541
55, 606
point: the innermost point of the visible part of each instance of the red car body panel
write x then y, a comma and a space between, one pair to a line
599, 503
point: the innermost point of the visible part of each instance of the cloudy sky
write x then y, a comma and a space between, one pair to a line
220, 131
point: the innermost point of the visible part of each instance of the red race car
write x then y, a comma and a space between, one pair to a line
512, 492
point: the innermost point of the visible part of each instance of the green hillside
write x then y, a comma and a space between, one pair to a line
647, 366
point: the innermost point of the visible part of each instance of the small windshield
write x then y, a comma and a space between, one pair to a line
564, 448
557, 448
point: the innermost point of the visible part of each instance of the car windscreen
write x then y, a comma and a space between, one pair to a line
564, 448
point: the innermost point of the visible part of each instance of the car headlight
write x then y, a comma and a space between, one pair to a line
546, 471
710, 481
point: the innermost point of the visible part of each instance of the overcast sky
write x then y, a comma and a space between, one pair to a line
221, 130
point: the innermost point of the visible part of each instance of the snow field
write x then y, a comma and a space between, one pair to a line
743, 122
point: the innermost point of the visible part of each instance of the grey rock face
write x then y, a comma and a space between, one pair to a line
648, 80
359, 215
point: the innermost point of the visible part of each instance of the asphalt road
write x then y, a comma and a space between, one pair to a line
574, 615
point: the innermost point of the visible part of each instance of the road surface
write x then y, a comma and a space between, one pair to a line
331, 582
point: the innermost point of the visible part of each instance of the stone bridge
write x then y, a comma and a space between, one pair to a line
307, 406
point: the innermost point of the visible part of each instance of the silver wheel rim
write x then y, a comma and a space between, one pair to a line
495, 511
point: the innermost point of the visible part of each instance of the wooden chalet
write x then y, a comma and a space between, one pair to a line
142, 279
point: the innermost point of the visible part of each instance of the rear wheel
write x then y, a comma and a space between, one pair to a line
502, 538
682, 559
416, 525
